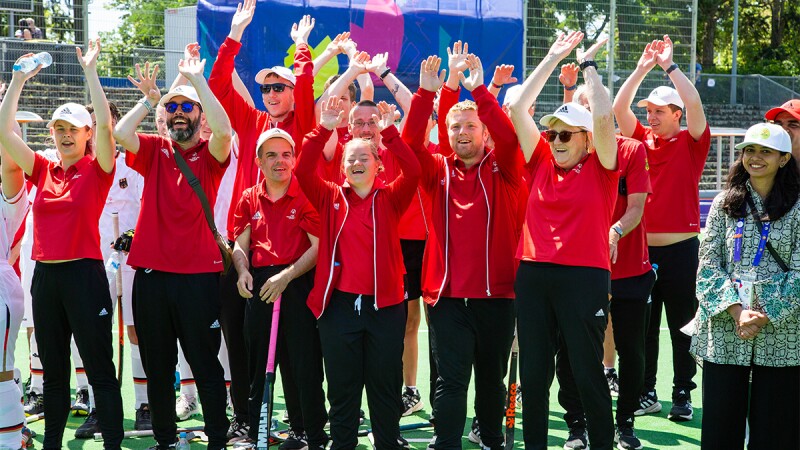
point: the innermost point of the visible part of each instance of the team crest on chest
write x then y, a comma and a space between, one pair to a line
194, 157
336, 206
165, 151
123, 183
291, 214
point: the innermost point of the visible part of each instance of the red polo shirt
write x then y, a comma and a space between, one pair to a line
172, 234
67, 206
278, 230
356, 250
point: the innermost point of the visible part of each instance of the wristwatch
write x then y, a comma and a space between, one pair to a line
618, 229
587, 63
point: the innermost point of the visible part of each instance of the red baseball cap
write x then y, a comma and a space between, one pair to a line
792, 107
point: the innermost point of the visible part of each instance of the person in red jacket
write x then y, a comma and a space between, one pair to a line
358, 286
563, 280
468, 266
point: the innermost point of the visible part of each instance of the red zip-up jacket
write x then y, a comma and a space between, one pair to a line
389, 202
249, 122
500, 176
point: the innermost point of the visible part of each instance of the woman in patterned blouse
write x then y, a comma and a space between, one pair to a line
748, 323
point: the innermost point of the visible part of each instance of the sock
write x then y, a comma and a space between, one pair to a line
139, 377
80, 373
187, 377
36, 367
12, 418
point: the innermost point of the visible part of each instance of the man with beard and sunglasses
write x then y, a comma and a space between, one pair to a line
175, 289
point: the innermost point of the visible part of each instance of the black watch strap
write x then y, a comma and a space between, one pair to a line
588, 63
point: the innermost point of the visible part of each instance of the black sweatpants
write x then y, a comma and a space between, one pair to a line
301, 361
231, 317
771, 404
168, 307
466, 332
573, 302
630, 312
675, 290
363, 347
71, 299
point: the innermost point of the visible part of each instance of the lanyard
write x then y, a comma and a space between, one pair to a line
762, 242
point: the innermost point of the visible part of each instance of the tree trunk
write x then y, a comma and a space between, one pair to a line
709, 34
776, 36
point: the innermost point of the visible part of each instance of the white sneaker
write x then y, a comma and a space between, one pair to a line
185, 407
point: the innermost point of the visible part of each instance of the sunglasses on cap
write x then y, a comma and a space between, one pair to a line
186, 107
277, 87
564, 136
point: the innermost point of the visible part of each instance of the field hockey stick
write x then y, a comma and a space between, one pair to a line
145, 433
406, 427
34, 418
265, 421
120, 324
511, 401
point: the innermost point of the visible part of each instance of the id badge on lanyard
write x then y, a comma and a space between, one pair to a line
744, 281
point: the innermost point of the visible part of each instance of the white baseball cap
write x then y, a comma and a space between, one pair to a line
662, 96
73, 113
571, 114
767, 135
280, 71
183, 90
274, 133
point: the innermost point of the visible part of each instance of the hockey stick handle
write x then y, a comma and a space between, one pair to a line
115, 226
273, 335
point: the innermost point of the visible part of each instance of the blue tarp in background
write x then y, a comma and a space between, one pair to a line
409, 30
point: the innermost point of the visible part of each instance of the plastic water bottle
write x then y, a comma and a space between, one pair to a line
183, 443
112, 265
29, 63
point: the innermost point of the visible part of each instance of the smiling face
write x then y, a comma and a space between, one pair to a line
467, 134
362, 125
791, 124
70, 140
278, 104
276, 160
183, 126
663, 120
360, 163
762, 162
568, 154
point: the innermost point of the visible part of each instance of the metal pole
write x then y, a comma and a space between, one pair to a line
12, 23
524, 39
735, 50
85, 27
612, 44
693, 59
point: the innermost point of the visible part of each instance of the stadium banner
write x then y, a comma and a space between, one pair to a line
409, 30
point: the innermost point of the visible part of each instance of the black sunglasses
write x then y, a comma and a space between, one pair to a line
186, 107
564, 136
277, 87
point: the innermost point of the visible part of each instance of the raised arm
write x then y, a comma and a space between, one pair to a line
106, 147
503, 75
622, 102
304, 71
13, 144
399, 90
219, 144
695, 116
330, 52
191, 51
527, 131
306, 170
569, 79
403, 187
12, 178
430, 80
125, 131
600, 105
358, 65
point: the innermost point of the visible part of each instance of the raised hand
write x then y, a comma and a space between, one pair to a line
301, 30
457, 58
360, 61
147, 82
503, 74
192, 68
378, 63
89, 60
564, 44
649, 56
242, 18
387, 115
335, 46
475, 78
665, 52
348, 47
331, 113
429, 77
569, 74
191, 51
590, 54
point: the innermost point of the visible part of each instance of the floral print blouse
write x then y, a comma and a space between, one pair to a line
776, 293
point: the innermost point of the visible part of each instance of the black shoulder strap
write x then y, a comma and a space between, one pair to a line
770, 248
198, 189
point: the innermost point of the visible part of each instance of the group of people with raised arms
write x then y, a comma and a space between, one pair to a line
501, 229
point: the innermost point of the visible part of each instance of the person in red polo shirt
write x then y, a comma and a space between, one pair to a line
788, 116
177, 261
276, 222
468, 266
358, 286
563, 280
69, 289
676, 159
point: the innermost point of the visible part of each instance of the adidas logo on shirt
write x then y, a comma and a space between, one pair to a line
599, 313
257, 215
215, 324
103, 312
165, 151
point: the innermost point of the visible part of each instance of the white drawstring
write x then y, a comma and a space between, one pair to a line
357, 304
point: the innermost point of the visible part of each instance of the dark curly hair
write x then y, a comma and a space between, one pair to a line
779, 201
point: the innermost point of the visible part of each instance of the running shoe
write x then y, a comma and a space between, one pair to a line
648, 404
626, 439
412, 402
89, 427
613, 381
143, 421
681, 410
577, 439
185, 407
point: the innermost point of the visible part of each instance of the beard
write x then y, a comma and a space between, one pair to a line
185, 134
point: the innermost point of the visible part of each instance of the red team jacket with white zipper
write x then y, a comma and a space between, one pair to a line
389, 202
500, 179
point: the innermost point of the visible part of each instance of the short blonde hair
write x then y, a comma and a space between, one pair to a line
373, 148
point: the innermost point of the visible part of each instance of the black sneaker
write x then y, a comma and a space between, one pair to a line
294, 441
475, 432
237, 430
577, 439
81, 406
89, 428
362, 417
34, 404
626, 439
648, 404
681, 408
143, 421
403, 443
613, 381
412, 402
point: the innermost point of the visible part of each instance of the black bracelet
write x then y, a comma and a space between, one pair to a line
385, 72
497, 86
588, 63
571, 88
671, 68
